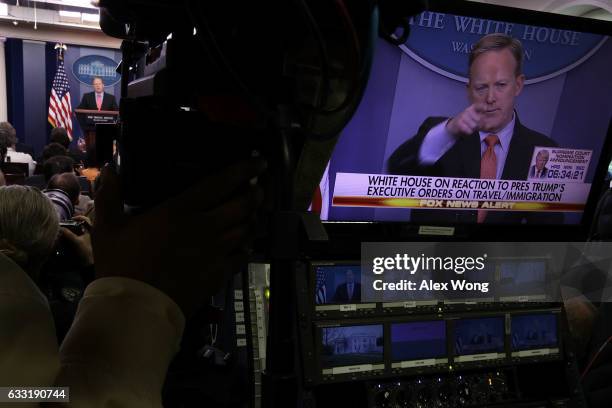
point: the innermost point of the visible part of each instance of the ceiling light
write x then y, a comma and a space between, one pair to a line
90, 18
69, 14
3, 9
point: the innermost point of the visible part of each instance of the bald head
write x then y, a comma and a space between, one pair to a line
68, 183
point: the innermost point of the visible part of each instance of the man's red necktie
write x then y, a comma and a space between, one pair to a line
488, 167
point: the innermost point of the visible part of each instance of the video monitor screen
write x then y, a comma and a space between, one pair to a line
337, 284
418, 340
522, 280
479, 336
475, 285
351, 345
436, 139
399, 298
536, 331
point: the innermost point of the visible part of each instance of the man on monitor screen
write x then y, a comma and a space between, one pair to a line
539, 170
486, 140
349, 291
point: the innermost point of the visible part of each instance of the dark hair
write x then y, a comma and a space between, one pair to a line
59, 135
57, 165
68, 183
53, 149
498, 42
8, 135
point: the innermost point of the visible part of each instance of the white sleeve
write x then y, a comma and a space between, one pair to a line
436, 142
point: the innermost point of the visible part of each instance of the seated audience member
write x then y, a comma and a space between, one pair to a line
50, 167
51, 150
8, 138
28, 347
67, 273
83, 203
130, 320
56, 165
64, 190
59, 135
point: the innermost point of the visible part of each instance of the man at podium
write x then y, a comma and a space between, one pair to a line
98, 99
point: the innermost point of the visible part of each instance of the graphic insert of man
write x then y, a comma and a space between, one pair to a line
539, 170
98, 99
486, 140
349, 291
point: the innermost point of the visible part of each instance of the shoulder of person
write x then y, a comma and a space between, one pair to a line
535, 138
21, 155
432, 121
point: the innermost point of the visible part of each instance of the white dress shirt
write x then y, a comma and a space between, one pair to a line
18, 157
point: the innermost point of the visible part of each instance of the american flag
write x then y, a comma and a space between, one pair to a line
60, 108
321, 294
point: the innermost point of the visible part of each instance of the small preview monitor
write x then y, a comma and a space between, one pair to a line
522, 281
479, 339
534, 335
476, 285
351, 349
409, 299
418, 344
338, 284
337, 287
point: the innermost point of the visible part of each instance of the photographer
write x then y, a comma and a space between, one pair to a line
70, 268
64, 190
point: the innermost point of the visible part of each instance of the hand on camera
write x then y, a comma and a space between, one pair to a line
187, 246
81, 243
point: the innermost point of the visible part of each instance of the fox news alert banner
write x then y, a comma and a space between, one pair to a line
392, 191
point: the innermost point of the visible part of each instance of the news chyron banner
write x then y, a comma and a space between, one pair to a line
556, 183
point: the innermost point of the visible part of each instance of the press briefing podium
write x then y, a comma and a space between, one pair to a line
89, 118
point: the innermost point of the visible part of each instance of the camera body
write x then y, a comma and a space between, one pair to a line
177, 128
74, 226
206, 83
